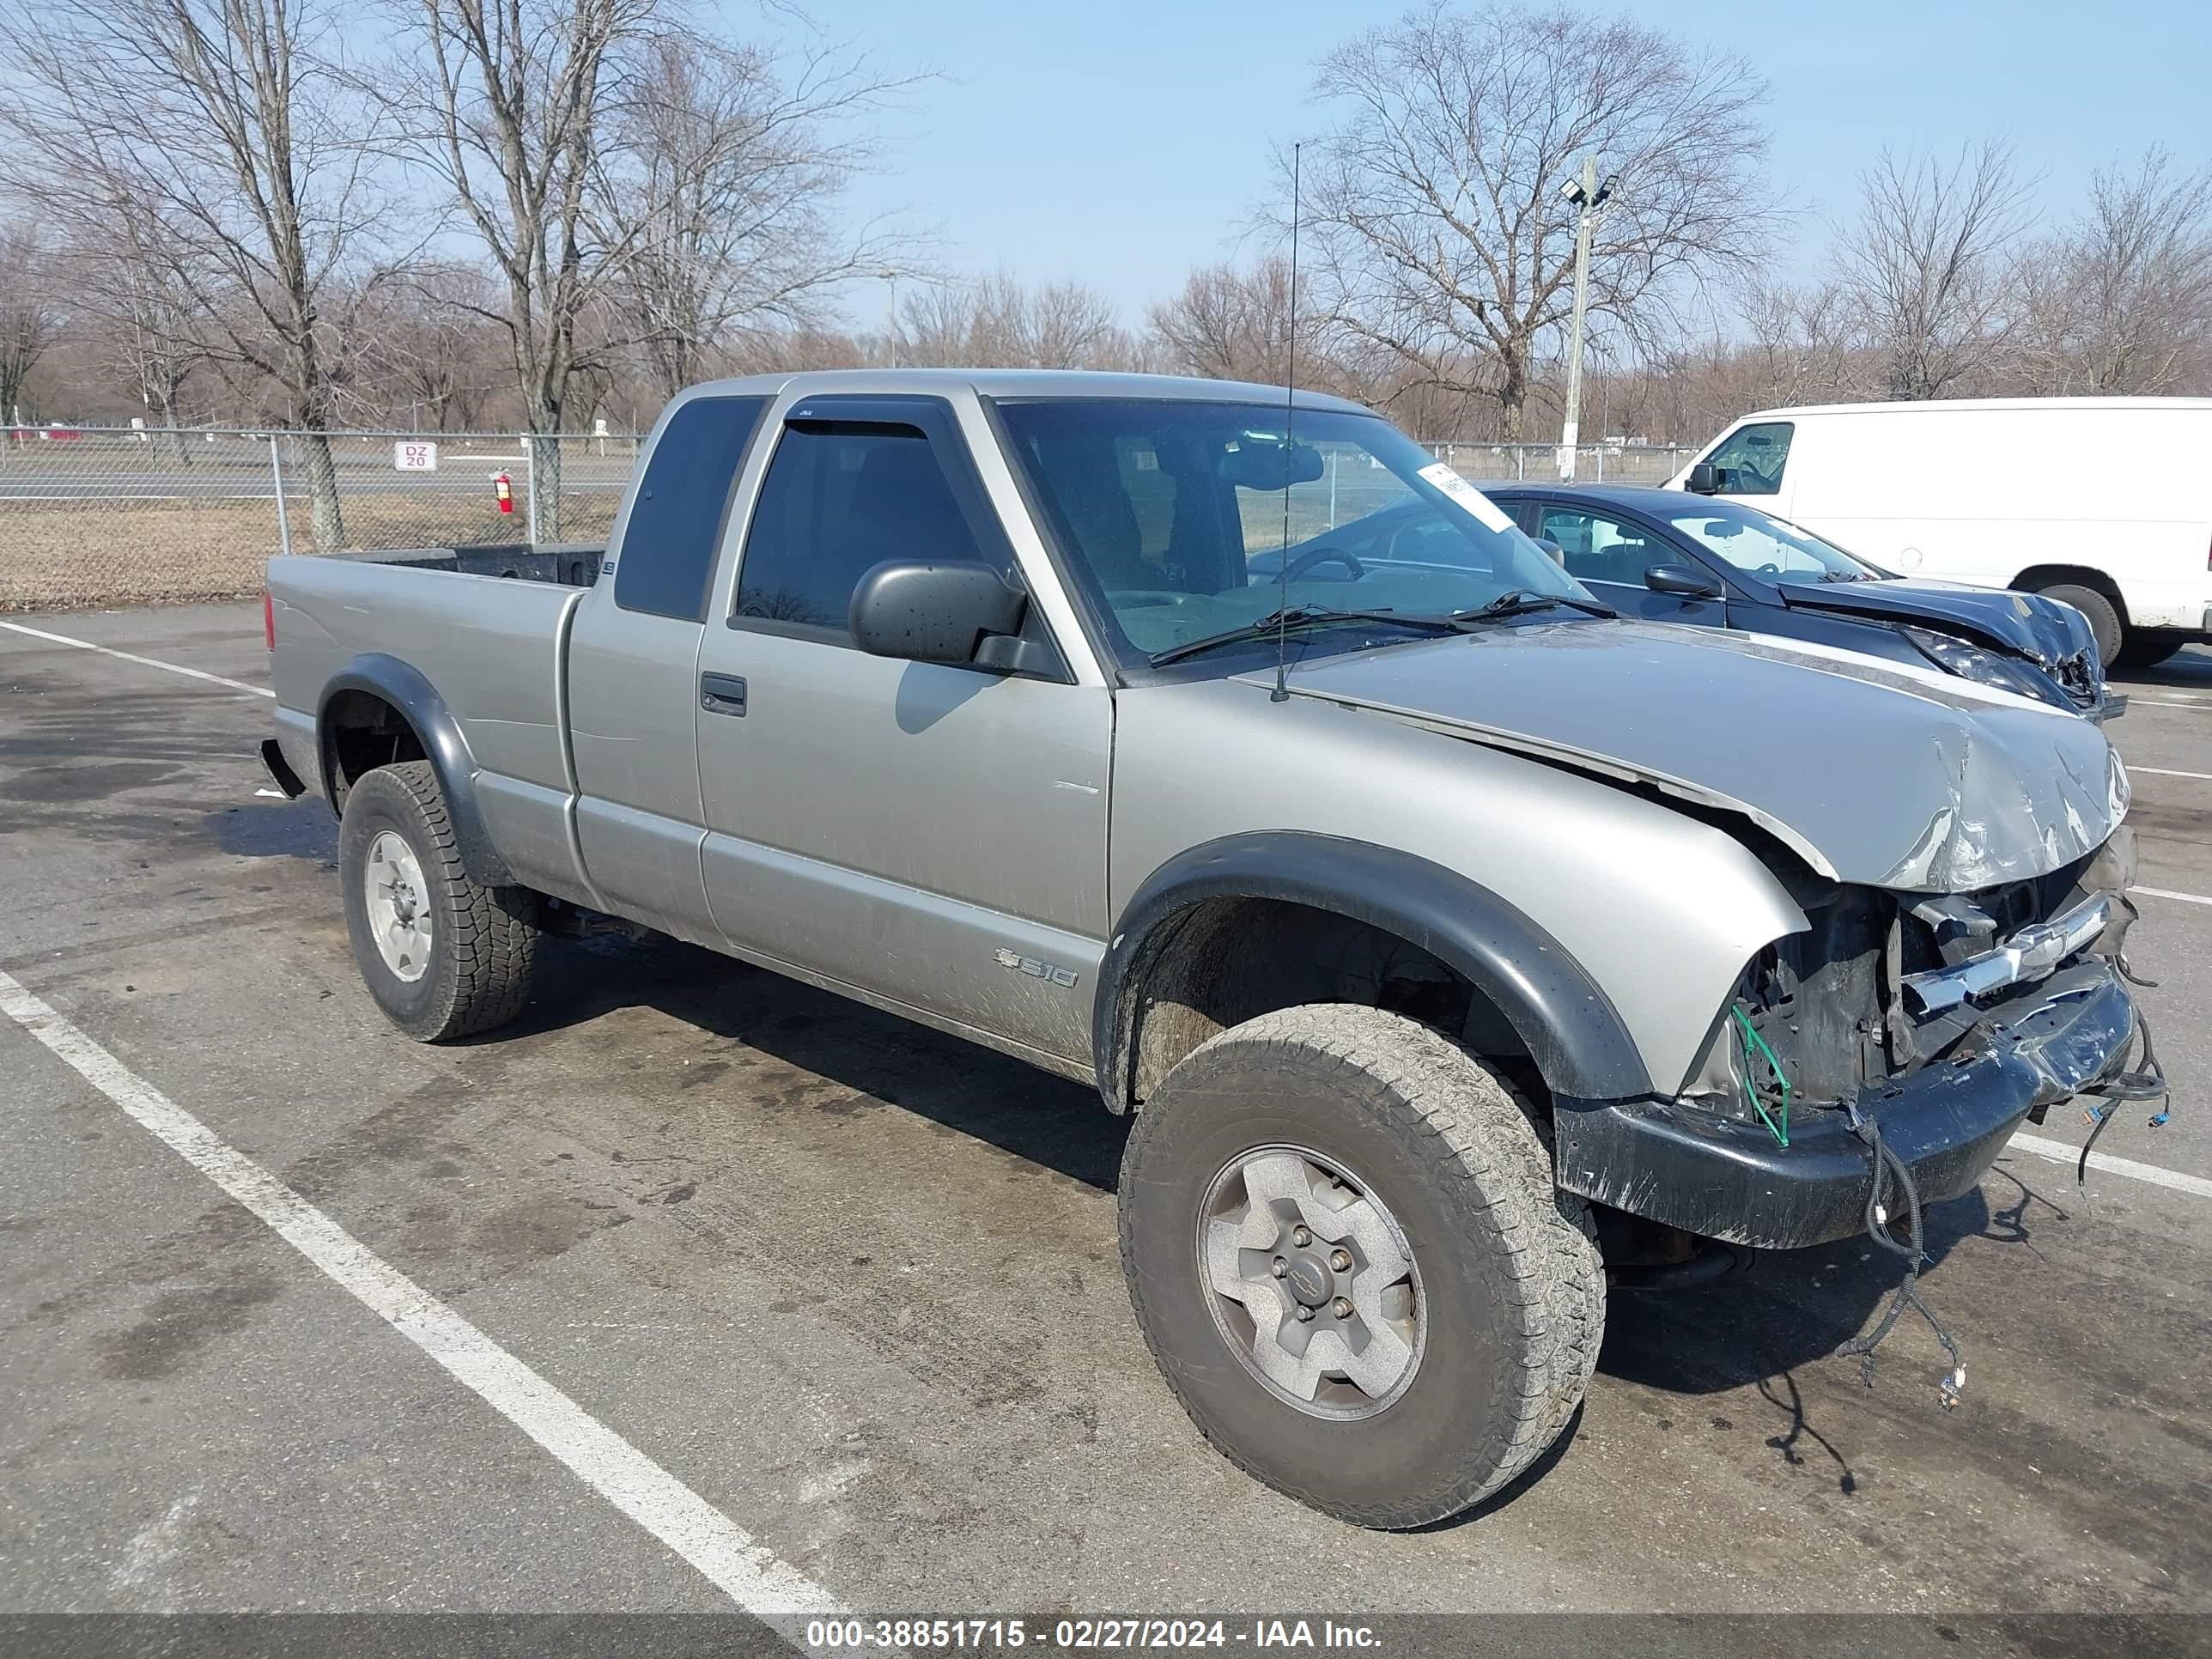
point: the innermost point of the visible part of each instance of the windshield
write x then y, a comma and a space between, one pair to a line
1763, 545
1187, 520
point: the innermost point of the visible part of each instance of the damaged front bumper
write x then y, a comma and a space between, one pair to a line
1684, 1166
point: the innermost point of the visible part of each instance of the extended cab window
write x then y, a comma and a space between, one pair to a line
839, 501
1597, 548
1749, 462
667, 554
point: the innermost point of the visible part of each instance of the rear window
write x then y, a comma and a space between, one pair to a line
676, 522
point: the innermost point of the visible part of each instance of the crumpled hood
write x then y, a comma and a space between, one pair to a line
1872, 774
2043, 630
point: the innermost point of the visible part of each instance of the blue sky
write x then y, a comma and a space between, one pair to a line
1120, 142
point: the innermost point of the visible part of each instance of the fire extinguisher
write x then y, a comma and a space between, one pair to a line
503, 488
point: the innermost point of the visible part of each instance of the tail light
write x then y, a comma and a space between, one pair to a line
269, 617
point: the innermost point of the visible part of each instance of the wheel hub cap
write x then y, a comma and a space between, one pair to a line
1312, 1282
398, 906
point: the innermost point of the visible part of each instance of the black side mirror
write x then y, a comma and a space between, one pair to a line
1704, 479
1553, 551
1686, 581
924, 611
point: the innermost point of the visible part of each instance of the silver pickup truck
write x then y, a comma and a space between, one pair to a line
1454, 942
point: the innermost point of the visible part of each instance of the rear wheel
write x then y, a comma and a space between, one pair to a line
1347, 1253
2104, 617
443, 954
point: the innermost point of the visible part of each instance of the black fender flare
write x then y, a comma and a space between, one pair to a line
1577, 1037
403, 685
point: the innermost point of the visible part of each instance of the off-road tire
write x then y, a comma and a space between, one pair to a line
1509, 1272
2112, 634
483, 940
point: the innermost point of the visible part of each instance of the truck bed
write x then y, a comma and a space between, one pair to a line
495, 648
570, 564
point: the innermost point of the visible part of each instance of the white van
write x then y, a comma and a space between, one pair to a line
2104, 503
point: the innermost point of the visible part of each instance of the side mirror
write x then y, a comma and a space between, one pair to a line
1553, 551
1685, 581
1704, 479
924, 610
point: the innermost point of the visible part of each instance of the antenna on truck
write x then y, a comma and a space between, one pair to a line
1281, 693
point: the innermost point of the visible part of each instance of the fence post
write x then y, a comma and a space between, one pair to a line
276, 473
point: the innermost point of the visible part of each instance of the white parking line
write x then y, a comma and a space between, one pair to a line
2167, 893
748, 1572
2168, 772
145, 662
2059, 1152
2134, 697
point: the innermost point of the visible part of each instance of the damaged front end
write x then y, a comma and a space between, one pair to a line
1933, 1024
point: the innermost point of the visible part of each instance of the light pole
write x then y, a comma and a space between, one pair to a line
1590, 196
891, 277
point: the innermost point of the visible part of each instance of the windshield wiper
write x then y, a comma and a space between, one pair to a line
1519, 602
1297, 616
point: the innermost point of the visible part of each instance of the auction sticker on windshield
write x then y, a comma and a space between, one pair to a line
1468, 496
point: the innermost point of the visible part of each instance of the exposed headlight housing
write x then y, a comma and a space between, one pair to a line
1985, 667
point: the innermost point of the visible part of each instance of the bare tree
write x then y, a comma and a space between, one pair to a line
29, 317
1228, 323
145, 322
428, 357
1802, 343
634, 181
232, 124
2120, 300
738, 158
1439, 231
1925, 264
998, 322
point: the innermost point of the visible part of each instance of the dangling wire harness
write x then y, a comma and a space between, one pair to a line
1889, 1170
1777, 1086
2147, 1081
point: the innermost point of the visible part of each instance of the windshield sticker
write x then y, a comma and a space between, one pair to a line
1468, 496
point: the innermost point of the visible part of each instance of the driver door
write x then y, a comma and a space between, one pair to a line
932, 837
1609, 555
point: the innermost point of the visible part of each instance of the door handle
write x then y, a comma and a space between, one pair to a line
722, 693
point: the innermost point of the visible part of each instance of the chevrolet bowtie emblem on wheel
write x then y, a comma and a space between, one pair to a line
1021, 964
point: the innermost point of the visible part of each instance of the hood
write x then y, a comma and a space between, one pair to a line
2028, 625
1885, 776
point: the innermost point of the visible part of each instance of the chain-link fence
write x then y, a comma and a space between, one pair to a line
130, 516
1601, 463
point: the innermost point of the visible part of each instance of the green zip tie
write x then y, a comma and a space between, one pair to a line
1753, 1040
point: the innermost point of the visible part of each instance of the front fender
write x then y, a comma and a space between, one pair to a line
1569, 1026
404, 687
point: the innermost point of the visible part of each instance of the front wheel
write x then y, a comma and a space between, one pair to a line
443, 954
1347, 1253
2103, 617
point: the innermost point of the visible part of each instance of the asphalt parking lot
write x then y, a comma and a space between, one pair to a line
855, 1285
